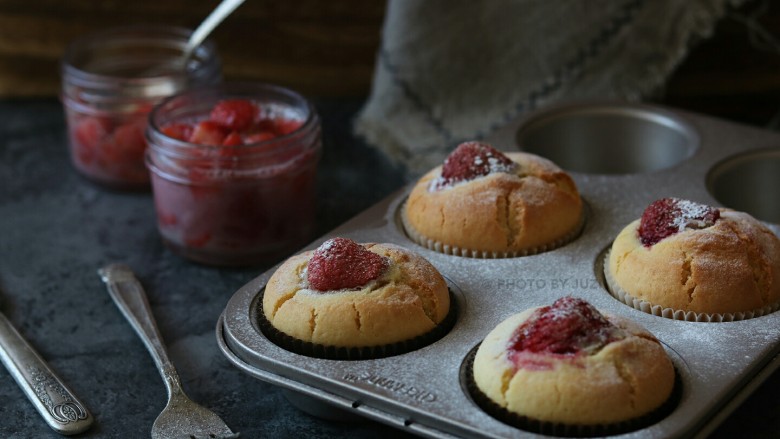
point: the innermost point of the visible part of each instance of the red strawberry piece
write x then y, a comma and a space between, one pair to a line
180, 131
258, 137
265, 124
130, 141
566, 327
341, 263
234, 114
286, 126
669, 216
91, 131
471, 160
208, 133
233, 139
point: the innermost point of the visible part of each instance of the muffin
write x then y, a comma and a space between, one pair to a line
691, 261
569, 369
484, 203
346, 295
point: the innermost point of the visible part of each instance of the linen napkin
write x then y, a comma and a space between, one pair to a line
454, 70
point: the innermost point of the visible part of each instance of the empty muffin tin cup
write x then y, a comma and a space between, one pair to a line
748, 182
609, 138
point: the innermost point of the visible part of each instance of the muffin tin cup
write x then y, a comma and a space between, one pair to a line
744, 183
421, 391
677, 314
609, 139
447, 249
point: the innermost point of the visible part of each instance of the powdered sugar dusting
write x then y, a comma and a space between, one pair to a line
569, 327
326, 247
471, 160
669, 216
692, 215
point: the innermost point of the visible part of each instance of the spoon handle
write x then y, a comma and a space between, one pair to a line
129, 296
51, 397
225, 8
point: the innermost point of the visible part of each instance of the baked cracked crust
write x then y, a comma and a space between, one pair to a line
409, 299
732, 266
534, 206
625, 379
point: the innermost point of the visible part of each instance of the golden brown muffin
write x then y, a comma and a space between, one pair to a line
715, 261
508, 205
346, 294
570, 364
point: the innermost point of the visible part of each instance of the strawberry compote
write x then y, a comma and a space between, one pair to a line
233, 172
110, 82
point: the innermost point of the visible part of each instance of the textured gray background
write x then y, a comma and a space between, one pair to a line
56, 229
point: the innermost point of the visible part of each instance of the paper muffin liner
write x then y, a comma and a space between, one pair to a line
330, 352
549, 428
447, 249
677, 314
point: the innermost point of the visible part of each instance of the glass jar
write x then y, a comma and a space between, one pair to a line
237, 205
110, 82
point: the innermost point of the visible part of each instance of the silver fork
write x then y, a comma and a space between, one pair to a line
181, 417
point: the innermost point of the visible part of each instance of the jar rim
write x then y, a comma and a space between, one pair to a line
174, 37
248, 90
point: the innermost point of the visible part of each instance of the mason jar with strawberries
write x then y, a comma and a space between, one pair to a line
233, 172
110, 82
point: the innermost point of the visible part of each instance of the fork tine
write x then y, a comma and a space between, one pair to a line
184, 419
181, 418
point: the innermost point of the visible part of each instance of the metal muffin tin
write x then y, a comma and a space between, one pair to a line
681, 154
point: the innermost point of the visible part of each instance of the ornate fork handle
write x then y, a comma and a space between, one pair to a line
129, 296
54, 401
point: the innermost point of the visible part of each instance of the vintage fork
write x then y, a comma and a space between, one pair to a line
181, 417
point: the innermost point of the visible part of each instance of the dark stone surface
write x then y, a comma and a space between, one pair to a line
56, 229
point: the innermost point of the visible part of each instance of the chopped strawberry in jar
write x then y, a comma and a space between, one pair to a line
110, 149
234, 114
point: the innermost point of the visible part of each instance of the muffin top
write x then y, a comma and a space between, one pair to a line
550, 363
696, 258
354, 295
482, 201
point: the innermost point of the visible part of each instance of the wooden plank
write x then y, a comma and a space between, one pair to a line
323, 48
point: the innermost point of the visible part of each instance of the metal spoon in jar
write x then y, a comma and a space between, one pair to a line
225, 8
179, 63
